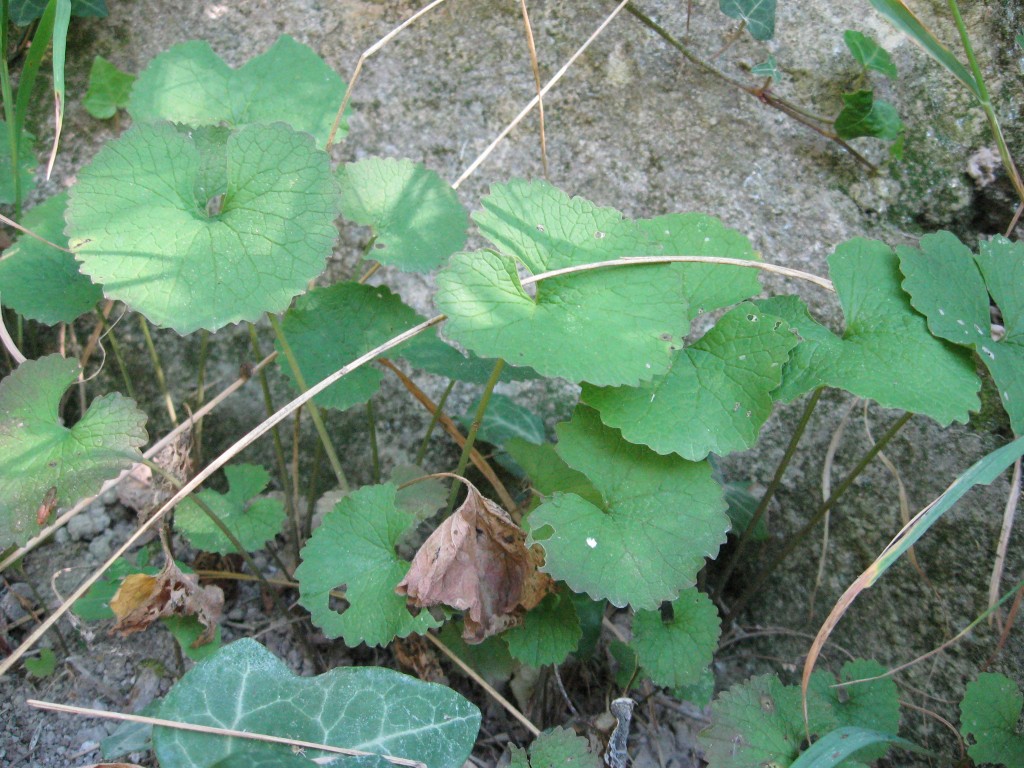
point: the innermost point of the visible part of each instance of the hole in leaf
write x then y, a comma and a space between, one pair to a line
335, 601
379, 246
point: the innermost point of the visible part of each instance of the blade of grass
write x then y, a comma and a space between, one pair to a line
982, 472
61, 21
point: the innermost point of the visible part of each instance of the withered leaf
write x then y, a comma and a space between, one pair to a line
140, 491
143, 599
477, 561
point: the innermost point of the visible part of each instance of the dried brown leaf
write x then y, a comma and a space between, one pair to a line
144, 493
476, 561
143, 599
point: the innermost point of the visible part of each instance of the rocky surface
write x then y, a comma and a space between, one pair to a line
633, 126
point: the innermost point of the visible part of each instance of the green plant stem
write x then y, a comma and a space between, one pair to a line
421, 452
794, 541
478, 419
314, 476
115, 346
758, 92
204, 353
282, 464
314, 412
161, 380
986, 103
10, 113
769, 493
222, 526
371, 423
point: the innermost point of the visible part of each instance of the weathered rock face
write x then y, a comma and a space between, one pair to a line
635, 126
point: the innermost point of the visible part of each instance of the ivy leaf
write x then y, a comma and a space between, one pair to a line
354, 550
951, 287
887, 353
715, 397
677, 652
245, 687
27, 164
253, 520
490, 659
42, 460
190, 84
609, 326
504, 420
758, 15
416, 216
332, 326
660, 517
760, 722
109, 89
557, 748
864, 115
869, 54
989, 713
548, 634
41, 282
768, 68
142, 227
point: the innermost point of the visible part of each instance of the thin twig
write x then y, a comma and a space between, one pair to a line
1009, 513
30, 233
537, 99
9, 344
475, 676
367, 54
536, 79
228, 732
453, 430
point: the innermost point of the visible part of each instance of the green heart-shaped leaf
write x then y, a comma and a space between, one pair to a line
354, 550
887, 353
143, 220
41, 282
715, 397
676, 653
42, 462
608, 327
190, 84
662, 515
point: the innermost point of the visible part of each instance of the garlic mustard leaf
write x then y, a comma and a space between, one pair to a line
661, 516
245, 687
549, 632
353, 550
254, 520
44, 462
677, 652
989, 713
330, 327
190, 84
416, 216
609, 327
557, 748
141, 225
39, 281
760, 722
887, 353
951, 286
715, 397
109, 89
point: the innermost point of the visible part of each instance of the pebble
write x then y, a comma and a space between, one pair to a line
89, 523
14, 598
109, 496
102, 546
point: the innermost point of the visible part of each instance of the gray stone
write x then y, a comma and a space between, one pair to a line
89, 523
